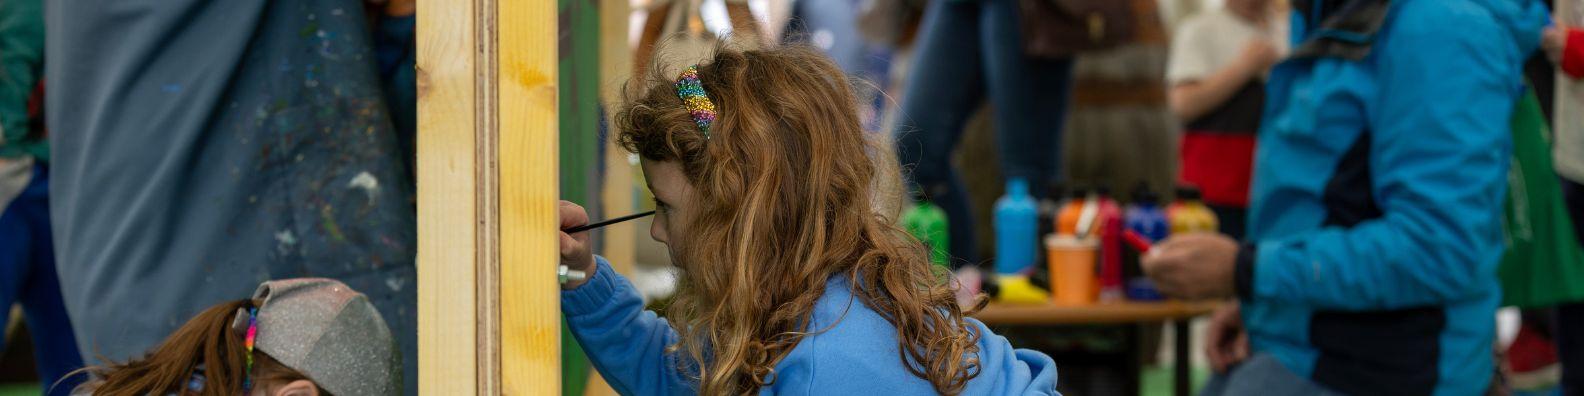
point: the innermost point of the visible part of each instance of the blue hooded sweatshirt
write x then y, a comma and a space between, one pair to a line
1375, 223
857, 356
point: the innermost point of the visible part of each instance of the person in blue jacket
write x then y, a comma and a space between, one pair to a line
795, 279
1375, 221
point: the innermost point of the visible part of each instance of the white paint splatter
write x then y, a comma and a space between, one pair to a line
395, 284
285, 240
367, 183
286, 237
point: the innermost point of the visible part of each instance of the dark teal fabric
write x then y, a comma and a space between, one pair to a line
21, 62
202, 147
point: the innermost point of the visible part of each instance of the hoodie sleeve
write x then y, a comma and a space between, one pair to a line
1447, 79
626, 343
1015, 371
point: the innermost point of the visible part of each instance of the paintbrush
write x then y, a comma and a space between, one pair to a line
591, 226
564, 274
1137, 240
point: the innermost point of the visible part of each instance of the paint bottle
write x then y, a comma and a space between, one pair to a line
1072, 269
1071, 211
1110, 222
927, 222
1190, 214
1016, 235
1145, 218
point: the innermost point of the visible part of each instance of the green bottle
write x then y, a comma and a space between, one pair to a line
927, 222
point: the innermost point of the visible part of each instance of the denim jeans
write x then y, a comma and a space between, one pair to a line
1262, 375
832, 26
27, 275
969, 51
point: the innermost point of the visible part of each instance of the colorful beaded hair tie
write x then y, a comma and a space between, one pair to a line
697, 103
252, 334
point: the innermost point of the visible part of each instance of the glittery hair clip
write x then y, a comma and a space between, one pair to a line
252, 335
697, 103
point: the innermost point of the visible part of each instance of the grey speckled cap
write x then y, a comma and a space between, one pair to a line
329, 332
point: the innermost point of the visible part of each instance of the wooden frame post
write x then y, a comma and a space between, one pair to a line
615, 67
488, 301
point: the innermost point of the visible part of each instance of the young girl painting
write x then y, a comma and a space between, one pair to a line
794, 278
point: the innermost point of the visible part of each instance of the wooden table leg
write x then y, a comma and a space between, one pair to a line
1132, 370
1182, 377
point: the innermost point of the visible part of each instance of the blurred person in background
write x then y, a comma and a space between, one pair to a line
1217, 69
1375, 224
395, 45
967, 51
1564, 46
27, 256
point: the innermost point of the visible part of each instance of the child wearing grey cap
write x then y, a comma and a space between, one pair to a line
295, 337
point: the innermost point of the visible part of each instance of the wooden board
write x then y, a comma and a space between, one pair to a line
615, 59
447, 199
527, 92
615, 68
489, 307
1112, 313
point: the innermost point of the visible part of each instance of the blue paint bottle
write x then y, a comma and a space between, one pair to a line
1146, 218
1016, 229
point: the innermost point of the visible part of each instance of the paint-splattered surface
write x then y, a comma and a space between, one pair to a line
202, 147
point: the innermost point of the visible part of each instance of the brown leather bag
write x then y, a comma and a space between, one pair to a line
1063, 28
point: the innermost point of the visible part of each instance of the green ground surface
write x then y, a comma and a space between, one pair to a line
1157, 380
20, 390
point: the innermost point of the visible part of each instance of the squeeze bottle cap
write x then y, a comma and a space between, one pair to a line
1017, 187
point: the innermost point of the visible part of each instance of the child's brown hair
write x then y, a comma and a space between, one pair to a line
208, 339
790, 191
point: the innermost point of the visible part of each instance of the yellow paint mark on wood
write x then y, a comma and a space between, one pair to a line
529, 191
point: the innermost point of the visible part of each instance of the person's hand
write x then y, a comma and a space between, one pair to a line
1226, 343
1193, 266
400, 8
1554, 40
394, 8
576, 252
1259, 55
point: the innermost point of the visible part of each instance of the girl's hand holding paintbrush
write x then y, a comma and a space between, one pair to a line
577, 258
577, 253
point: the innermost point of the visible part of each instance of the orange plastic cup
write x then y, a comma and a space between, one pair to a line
1072, 269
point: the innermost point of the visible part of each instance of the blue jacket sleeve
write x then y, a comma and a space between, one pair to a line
626, 343
1446, 81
